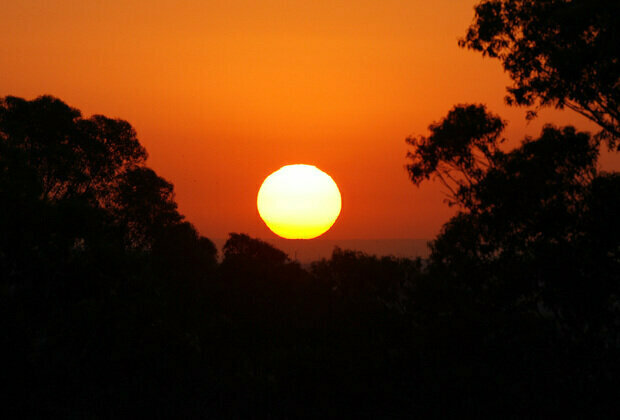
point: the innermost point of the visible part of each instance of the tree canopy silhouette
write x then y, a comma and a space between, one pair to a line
241, 248
95, 259
71, 156
76, 179
564, 53
528, 235
459, 150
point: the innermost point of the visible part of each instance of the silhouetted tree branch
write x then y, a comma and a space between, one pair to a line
459, 150
558, 52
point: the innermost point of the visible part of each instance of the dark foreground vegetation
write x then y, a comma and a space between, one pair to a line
114, 306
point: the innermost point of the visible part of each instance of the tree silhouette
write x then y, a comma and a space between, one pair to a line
144, 203
526, 275
524, 239
241, 248
557, 52
260, 279
71, 156
99, 274
368, 282
459, 151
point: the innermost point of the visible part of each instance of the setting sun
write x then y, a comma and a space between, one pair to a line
299, 202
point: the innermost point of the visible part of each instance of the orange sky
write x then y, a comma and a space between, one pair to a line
222, 93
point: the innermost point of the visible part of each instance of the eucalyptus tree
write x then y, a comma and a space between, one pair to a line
562, 53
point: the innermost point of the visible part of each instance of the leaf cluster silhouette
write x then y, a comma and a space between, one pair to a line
563, 53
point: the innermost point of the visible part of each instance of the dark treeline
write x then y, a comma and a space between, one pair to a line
114, 306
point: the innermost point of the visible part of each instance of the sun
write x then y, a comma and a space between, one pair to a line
299, 202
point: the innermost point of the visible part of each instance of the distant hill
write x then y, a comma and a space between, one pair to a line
306, 251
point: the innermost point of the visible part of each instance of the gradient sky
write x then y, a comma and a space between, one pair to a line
222, 93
